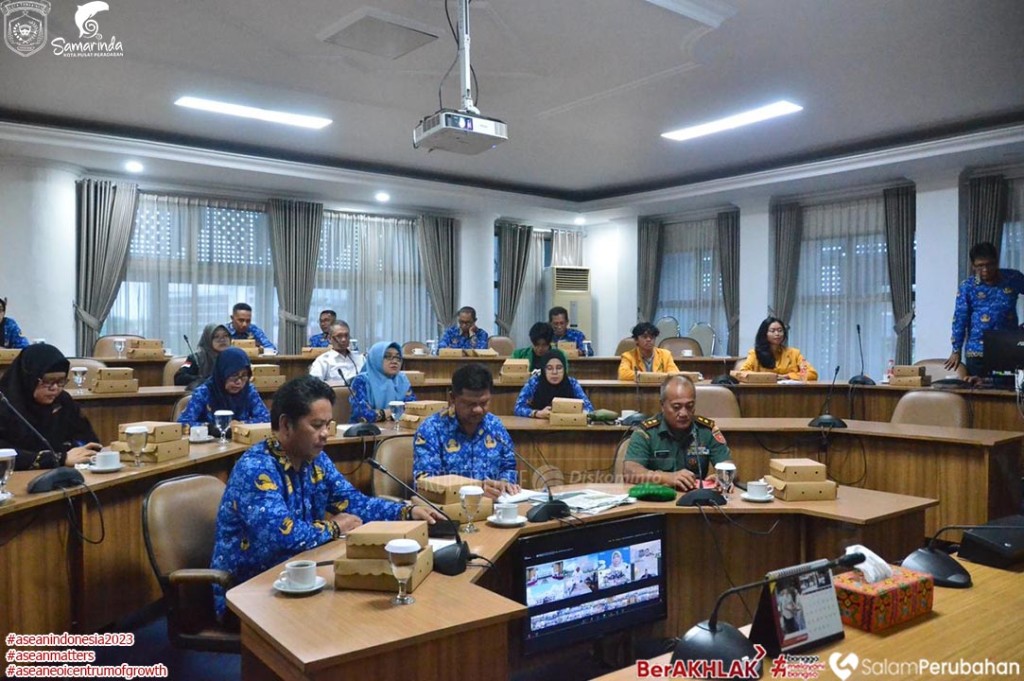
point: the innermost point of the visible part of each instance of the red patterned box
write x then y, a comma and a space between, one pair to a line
874, 607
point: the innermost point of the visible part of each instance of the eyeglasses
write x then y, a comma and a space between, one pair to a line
50, 385
240, 377
392, 357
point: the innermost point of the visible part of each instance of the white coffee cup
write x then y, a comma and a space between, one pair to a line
506, 512
199, 433
687, 352
419, 351
759, 489
299, 574
104, 460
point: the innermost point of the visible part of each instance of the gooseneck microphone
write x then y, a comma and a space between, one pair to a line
940, 565
550, 509
192, 352
825, 420
451, 560
861, 378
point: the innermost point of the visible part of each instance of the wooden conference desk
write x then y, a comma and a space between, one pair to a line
582, 368
463, 627
965, 624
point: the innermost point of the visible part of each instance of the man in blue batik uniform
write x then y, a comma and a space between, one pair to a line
285, 495
10, 333
323, 339
466, 439
464, 335
986, 301
242, 328
558, 318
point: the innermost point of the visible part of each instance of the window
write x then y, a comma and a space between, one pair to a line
690, 289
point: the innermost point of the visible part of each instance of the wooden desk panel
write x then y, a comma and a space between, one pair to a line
583, 368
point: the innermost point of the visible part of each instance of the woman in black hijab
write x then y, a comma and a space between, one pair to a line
34, 385
536, 396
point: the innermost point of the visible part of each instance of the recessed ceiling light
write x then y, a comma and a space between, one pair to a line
382, 197
780, 108
268, 115
580, 221
134, 167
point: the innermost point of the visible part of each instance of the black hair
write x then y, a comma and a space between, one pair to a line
541, 331
294, 398
3, 304
468, 309
762, 348
330, 312
558, 310
244, 307
474, 377
986, 249
645, 328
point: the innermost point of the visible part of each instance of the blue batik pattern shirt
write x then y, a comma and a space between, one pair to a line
982, 307
255, 333
577, 337
320, 340
523, 407
271, 511
453, 338
363, 408
11, 336
200, 412
440, 447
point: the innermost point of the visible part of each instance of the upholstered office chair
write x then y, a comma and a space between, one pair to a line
717, 402
705, 335
935, 369
620, 462
669, 327
342, 407
932, 408
104, 346
171, 368
409, 348
91, 366
624, 346
179, 406
503, 345
179, 521
677, 345
395, 454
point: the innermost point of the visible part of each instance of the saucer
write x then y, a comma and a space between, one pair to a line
201, 440
5, 497
285, 588
757, 500
113, 469
520, 520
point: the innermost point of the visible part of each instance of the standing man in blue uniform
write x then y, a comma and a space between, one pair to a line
465, 335
986, 301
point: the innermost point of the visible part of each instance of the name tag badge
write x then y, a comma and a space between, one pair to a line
662, 454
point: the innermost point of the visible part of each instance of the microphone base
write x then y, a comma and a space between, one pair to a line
701, 497
725, 645
549, 510
861, 379
452, 560
827, 421
941, 566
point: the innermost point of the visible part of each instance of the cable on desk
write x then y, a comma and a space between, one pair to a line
864, 464
788, 448
74, 522
490, 563
748, 530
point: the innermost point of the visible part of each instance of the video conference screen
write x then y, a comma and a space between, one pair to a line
585, 581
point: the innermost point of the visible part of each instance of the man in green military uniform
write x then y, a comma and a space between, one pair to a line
677, 446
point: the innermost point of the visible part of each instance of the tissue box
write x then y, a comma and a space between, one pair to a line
571, 420
374, 574
651, 376
415, 377
875, 607
249, 433
566, 405
450, 352
154, 452
105, 387
159, 431
824, 490
755, 376
368, 540
443, 489
908, 370
425, 408
797, 470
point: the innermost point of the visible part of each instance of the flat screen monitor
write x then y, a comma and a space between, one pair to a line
1003, 351
582, 582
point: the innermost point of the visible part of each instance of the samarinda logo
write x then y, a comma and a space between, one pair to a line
90, 41
25, 30
25, 25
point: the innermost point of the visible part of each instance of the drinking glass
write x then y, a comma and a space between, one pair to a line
471, 496
222, 419
588, 349
726, 474
397, 408
432, 346
136, 437
7, 459
353, 345
119, 348
402, 554
78, 376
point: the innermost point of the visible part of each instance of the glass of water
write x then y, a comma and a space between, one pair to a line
397, 408
432, 346
7, 459
136, 438
588, 349
353, 344
402, 554
222, 420
119, 348
78, 376
471, 496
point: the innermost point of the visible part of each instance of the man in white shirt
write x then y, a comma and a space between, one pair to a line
338, 363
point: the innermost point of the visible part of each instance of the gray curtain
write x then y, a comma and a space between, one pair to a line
437, 237
514, 244
648, 270
295, 229
788, 229
900, 223
987, 204
105, 212
729, 262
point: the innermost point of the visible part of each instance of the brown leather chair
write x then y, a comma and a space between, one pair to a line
395, 453
91, 366
503, 345
342, 412
409, 348
104, 346
935, 368
180, 406
717, 402
620, 462
624, 346
678, 344
171, 368
932, 408
179, 520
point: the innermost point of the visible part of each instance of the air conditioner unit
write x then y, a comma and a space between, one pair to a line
569, 287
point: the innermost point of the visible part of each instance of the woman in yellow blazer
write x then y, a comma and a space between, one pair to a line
645, 357
770, 353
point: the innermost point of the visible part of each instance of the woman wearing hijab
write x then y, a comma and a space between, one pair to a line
34, 385
228, 387
379, 382
197, 368
536, 396
771, 354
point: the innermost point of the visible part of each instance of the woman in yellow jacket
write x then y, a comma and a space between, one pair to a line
645, 357
770, 353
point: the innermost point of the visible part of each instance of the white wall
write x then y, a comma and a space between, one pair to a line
476, 267
37, 233
610, 252
755, 284
936, 266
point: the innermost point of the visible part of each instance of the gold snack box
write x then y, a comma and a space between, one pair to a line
148, 343
443, 489
908, 370
154, 452
450, 352
268, 382
566, 405
313, 352
249, 433
107, 387
416, 377
568, 420
425, 407
159, 431
914, 381
755, 376
265, 370
368, 540
797, 470
824, 490
651, 376
374, 574
115, 374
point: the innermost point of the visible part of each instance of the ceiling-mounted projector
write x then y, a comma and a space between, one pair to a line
458, 131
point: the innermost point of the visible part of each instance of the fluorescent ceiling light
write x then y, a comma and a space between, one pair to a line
580, 220
382, 197
134, 167
268, 115
780, 108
